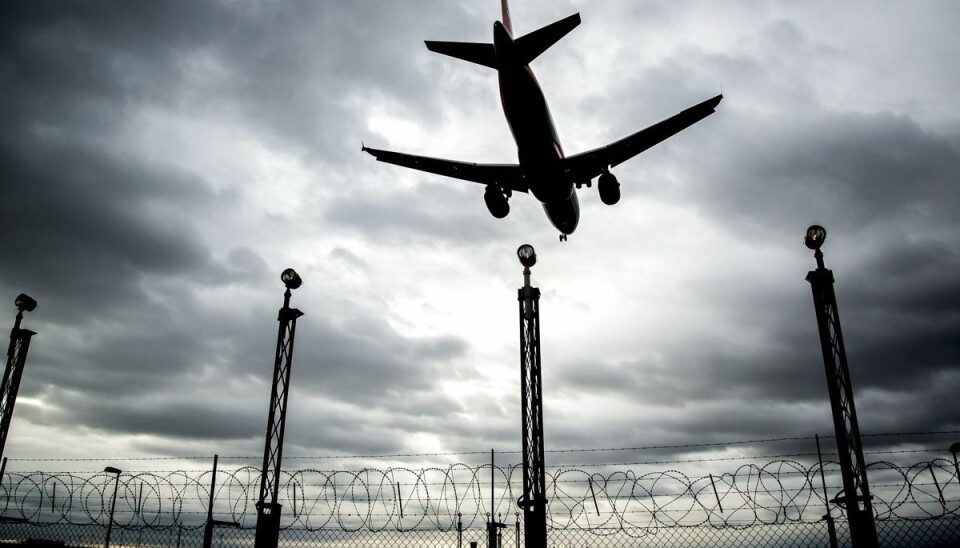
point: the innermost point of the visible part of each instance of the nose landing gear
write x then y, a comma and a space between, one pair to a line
563, 237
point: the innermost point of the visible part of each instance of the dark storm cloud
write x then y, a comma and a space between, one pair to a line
86, 214
885, 187
289, 68
104, 234
186, 420
341, 434
857, 170
910, 274
364, 359
76, 202
78, 66
379, 424
152, 323
132, 360
705, 371
153, 382
902, 316
166, 374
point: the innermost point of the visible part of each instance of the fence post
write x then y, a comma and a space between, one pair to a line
831, 527
518, 529
208, 528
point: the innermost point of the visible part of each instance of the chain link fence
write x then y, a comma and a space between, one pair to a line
776, 502
928, 533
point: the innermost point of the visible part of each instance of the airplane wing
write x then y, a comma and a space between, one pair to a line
587, 165
505, 175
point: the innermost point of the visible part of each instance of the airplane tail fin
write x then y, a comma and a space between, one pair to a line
529, 46
532, 45
481, 54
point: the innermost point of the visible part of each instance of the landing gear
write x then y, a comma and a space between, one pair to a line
563, 237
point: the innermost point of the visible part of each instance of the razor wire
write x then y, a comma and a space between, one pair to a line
777, 492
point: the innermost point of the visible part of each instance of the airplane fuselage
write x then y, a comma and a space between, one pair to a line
539, 151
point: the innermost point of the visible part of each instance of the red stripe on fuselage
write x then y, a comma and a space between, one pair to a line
506, 15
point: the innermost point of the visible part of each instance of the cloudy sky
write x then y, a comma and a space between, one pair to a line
162, 162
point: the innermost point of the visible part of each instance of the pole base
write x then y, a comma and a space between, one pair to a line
268, 525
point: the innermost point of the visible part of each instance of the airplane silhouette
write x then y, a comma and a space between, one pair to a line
543, 168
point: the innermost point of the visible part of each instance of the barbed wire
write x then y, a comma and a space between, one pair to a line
487, 452
396, 498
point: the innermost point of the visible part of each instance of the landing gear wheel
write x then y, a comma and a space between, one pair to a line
563, 237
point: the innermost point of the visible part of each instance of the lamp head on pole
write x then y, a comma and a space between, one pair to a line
112, 470
527, 255
25, 302
291, 279
815, 237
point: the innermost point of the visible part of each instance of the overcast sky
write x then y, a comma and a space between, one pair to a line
162, 162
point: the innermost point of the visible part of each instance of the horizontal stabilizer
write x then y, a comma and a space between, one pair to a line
481, 54
532, 45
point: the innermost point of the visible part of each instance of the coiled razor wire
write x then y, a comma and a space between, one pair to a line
404, 499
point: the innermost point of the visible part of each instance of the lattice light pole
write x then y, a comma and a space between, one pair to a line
856, 492
533, 501
268, 510
16, 359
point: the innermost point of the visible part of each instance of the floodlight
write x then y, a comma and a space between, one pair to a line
112, 470
815, 237
25, 302
291, 279
527, 256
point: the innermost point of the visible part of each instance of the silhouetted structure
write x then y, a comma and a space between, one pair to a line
268, 510
211, 523
493, 526
16, 360
113, 501
828, 517
534, 498
856, 492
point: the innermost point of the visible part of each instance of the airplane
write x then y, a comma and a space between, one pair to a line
543, 169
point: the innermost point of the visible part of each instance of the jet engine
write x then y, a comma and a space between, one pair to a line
609, 188
496, 201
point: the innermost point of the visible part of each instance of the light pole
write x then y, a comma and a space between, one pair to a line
856, 492
268, 510
113, 502
16, 359
533, 501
